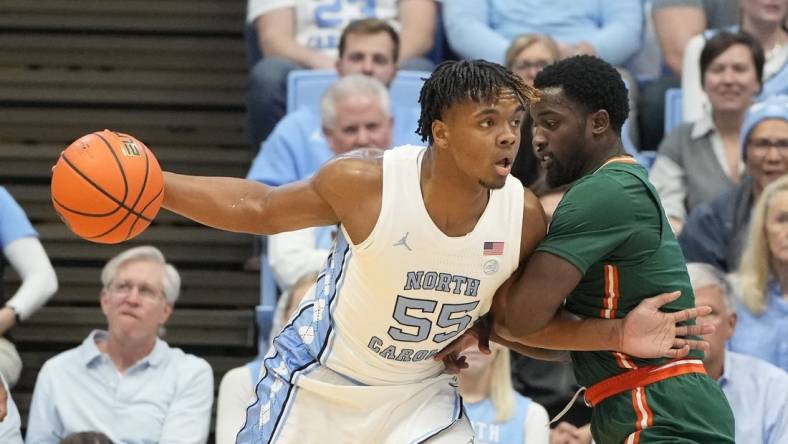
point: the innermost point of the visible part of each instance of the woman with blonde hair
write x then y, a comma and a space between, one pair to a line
497, 412
762, 328
526, 56
529, 53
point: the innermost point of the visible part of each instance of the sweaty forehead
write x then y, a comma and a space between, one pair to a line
554, 99
505, 97
553, 95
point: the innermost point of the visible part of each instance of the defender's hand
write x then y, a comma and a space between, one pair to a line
648, 332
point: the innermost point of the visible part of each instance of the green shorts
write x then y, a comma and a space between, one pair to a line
689, 408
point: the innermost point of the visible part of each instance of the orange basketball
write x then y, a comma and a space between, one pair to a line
107, 187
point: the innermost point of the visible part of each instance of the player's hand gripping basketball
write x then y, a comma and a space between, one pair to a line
648, 332
107, 187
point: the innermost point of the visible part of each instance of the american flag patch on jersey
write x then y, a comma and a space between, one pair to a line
493, 249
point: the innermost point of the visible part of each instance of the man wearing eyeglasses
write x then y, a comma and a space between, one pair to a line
715, 231
126, 382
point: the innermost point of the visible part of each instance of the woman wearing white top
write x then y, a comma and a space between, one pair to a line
698, 161
765, 22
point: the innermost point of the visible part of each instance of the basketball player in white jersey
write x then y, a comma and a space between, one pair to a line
426, 237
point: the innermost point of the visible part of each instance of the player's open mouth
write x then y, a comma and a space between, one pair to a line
504, 166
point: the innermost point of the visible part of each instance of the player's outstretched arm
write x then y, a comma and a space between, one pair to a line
247, 206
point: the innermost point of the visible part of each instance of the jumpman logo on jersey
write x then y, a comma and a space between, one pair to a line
403, 241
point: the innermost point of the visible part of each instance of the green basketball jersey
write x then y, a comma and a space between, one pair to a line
611, 226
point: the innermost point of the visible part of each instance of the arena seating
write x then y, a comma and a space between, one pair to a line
170, 72
672, 109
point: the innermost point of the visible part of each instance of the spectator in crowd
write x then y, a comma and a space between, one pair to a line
27, 257
297, 147
497, 412
763, 316
530, 53
305, 34
611, 31
236, 391
354, 114
86, 438
765, 22
714, 231
10, 421
700, 160
484, 29
526, 56
756, 390
126, 382
675, 23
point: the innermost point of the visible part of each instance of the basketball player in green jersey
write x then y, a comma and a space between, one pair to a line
609, 247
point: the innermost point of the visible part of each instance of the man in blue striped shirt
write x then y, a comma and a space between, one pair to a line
126, 382
756, 390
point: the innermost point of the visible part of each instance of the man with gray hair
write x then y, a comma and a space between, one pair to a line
126, 382
297, 147
354, 114
756, 390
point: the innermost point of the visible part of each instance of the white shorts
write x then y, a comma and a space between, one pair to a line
325, 407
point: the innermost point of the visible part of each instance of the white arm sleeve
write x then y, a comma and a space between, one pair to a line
294, 254
537, 430
694, 101
39, 281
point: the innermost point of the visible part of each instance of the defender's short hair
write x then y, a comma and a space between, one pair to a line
590, 82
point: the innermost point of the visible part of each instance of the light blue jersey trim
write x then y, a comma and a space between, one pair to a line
296, 350
335, 299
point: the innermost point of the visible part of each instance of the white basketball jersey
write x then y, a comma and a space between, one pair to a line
408, 290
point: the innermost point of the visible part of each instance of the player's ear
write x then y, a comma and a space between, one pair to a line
440, 133
600, 121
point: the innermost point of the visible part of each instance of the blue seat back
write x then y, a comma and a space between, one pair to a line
305, 87
269, 294
672, 109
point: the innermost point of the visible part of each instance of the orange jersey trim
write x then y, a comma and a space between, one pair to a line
610, 300
622, 159
624, 361
611, 295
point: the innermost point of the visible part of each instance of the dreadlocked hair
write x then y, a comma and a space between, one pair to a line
457, 81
